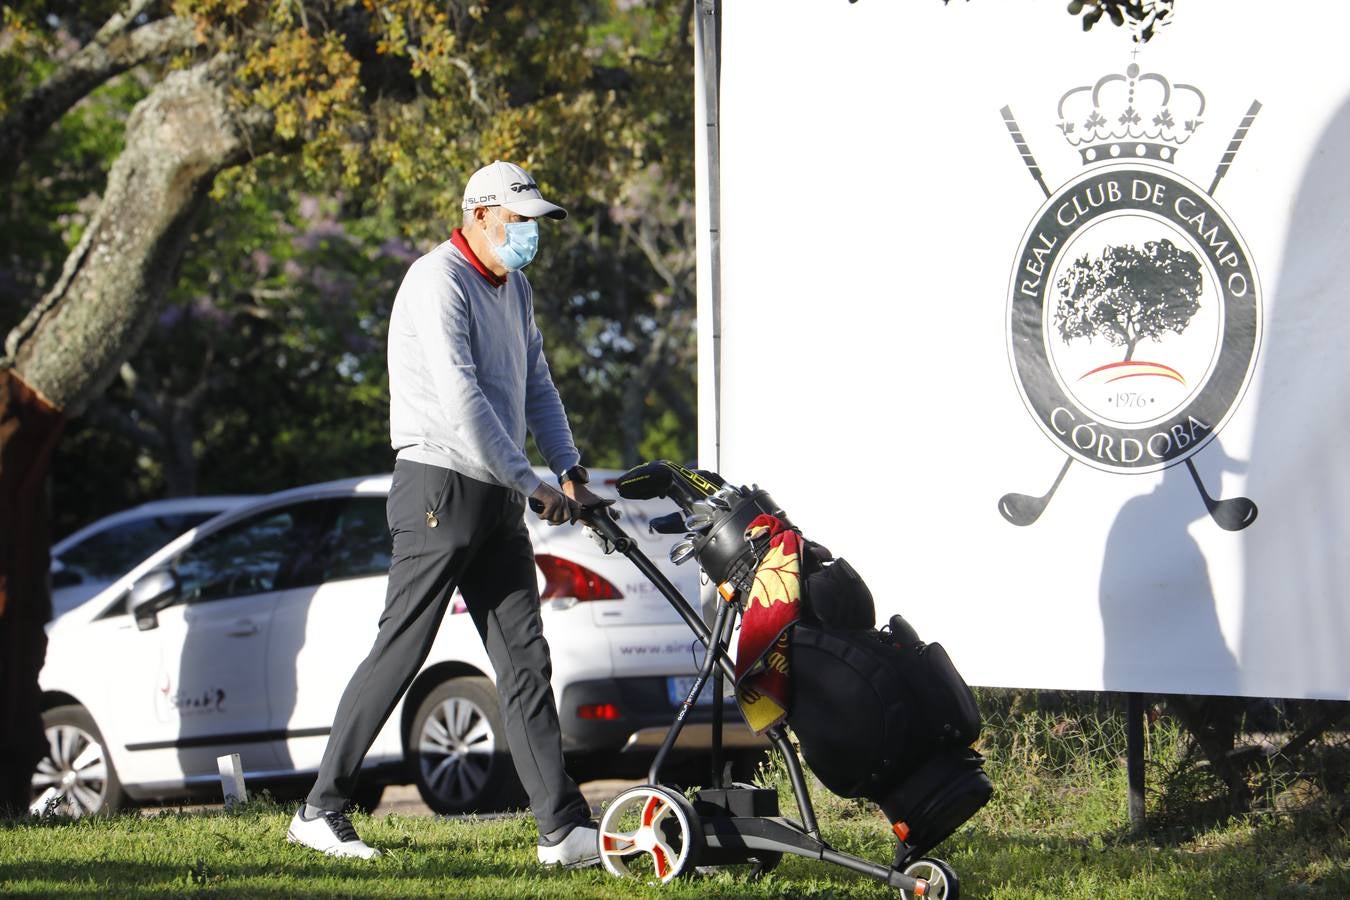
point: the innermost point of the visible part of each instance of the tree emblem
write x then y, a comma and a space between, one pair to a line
1128, 294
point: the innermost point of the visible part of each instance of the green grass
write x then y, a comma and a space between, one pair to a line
1056, 828
244, 854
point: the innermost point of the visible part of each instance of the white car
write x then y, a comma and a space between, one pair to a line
239, 637
86, 562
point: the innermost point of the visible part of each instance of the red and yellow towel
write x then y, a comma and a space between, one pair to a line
774, 605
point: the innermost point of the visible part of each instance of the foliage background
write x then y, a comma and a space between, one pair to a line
266, 369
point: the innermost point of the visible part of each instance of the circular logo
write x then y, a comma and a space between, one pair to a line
1134, 318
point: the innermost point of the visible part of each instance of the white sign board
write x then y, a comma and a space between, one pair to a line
1046, 331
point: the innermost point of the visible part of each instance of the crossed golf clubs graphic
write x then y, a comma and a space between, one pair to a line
1231, 514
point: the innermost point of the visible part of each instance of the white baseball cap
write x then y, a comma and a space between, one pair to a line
506, 184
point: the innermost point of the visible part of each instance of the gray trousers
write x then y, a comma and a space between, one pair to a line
480, 545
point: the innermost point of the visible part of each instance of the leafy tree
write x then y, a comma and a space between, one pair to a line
1145, 16
1127, 294
253, 382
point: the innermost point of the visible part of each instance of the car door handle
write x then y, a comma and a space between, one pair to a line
243, 628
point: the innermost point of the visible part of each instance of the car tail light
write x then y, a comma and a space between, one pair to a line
607, 711
564, 578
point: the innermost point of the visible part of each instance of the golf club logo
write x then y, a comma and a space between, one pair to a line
1134, 309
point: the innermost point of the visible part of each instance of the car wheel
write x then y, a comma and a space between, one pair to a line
458, 749
76, 778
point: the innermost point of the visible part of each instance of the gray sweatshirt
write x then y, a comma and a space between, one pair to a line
467, 374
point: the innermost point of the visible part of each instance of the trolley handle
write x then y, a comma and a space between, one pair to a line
606, 527
591, 516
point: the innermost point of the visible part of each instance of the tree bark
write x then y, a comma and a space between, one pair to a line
71, 344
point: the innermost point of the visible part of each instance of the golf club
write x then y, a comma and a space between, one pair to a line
718, 501
681, 552
698, 521
1233, 514
1023, 509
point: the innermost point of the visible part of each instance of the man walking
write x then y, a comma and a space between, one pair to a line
467, 379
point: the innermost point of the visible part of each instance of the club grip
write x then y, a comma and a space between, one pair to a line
536, 506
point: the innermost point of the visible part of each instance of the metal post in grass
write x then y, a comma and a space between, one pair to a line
232, 780
1134, 759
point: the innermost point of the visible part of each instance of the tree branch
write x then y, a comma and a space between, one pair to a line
472, 78
643, 242
113, 50
73, 341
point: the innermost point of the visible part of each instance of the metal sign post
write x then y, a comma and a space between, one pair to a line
708, 219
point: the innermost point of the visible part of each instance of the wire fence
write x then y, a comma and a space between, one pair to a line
1206, 758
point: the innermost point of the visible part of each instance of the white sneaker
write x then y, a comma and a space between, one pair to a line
577, 849
328, 832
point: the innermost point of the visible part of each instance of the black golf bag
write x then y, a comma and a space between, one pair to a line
891, 722
879, 713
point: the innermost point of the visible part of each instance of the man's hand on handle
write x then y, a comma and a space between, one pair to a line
553, 507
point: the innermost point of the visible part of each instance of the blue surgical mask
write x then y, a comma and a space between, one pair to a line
522, 242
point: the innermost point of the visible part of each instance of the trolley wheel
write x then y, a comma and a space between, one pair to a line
650, 832
942, 881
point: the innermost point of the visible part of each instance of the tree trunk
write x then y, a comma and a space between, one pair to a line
29, 427
71, 344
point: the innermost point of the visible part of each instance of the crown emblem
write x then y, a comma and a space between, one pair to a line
1135, 115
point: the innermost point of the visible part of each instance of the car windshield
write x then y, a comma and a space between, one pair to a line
110, 553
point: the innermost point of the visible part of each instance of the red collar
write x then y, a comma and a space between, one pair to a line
462, 244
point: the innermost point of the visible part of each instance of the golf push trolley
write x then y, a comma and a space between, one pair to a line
878, 714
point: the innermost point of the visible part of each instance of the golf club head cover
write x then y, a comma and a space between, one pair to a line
663, 478
670, 523
645, 482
